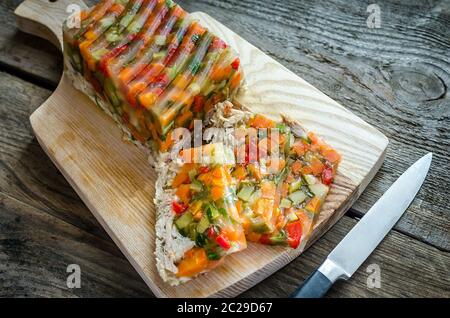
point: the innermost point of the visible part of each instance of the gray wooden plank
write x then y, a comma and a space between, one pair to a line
26, 172
395, 77
30, 57
407, 268
44, 227
36, 248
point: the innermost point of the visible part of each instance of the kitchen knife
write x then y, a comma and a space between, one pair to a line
365, 236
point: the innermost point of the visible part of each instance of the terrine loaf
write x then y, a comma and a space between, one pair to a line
150, 66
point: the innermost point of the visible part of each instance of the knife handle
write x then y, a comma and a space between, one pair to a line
315, 286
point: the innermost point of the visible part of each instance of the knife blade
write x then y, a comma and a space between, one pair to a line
365, 236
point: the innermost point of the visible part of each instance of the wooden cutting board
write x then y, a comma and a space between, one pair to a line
114, 180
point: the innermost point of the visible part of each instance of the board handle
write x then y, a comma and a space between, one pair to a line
44, 18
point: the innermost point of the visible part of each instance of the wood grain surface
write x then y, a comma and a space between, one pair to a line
115, 182
353, 76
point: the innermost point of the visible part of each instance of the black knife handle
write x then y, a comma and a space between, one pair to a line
315, 286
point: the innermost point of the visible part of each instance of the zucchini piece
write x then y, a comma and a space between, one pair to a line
192, 231
285, 203
291, 217
259, 225
195, 207
297, 197
319, 189
294, 186
201, 240
183, 221
212, 213
287, 145
203, 225
281, 127
160, 40
111, 92
159, 55
310, 179
97, 55
245, 193
223, 212
278, 239
196, 186
254, 196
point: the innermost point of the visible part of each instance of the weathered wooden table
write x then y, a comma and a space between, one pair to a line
395, 77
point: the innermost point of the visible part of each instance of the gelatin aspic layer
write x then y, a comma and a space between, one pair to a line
150, 66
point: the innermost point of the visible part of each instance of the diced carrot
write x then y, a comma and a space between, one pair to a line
147, 99
299, 148
330, 154
198, 216
84, 49
306, 170
180, 96
239, 207
284, 190
255, 171
253, 237
84, 15
314, 205
235, 80
260, 121
181, 82
218, 74
126, 74
117, 8
183, 119
281, 221
316, 166
221, 173
217, 192
264, 207
180, 178
268, 190
194, 262
206, 178
239, 173
164, 145
184, 193
312, 136
296, 167
231, 233
90, 35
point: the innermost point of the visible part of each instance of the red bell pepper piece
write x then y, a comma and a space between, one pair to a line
203, 169
179, 208
265, 239
223, 242
236, 63
327, 176
211, 232
294, 233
